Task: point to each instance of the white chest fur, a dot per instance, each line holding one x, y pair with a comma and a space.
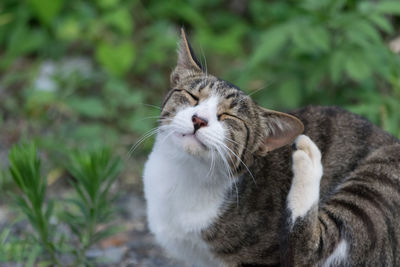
181, 201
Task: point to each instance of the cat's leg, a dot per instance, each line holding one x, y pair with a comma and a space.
303, 241
307, 173
358, 225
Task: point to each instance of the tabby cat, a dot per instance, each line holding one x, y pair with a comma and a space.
230, 183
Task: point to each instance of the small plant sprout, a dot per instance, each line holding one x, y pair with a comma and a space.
94, 173
88, 213
25, 172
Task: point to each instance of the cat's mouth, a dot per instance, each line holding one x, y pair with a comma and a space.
192, 138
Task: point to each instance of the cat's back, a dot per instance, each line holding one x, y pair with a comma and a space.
345, 140
331, 125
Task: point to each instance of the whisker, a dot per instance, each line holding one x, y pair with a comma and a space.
233, 153
141, 139
205, 62
237, 143
240, 160
230, 177
233, 179
160, 120
211, 166
153, 106
259, 89
150, 117
168, 135
145, 136
181, 123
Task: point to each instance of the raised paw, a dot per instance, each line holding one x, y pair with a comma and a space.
306, 159
307, 173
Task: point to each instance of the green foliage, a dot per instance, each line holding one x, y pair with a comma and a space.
117, 59
94, 173
14, 249
331, 53
84, 74
25, 171
288, 53
46, 10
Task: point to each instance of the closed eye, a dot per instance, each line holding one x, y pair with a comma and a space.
225, 115
195, 98
187, 93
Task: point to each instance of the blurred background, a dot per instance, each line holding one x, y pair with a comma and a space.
81, 74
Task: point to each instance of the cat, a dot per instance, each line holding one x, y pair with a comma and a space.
230, 183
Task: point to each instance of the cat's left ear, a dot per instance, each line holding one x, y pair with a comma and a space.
187, 60
280, 129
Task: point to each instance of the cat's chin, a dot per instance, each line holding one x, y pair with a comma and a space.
192, 145
186, 143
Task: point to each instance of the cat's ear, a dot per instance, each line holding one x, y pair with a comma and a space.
280, 129
187, 60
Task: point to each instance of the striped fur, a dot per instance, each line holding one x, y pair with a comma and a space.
350, 218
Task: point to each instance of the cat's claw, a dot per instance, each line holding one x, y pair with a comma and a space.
307, 173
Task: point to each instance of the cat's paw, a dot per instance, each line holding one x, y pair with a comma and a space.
306, 159
307, 173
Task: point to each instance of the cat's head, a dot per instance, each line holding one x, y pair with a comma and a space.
208, 117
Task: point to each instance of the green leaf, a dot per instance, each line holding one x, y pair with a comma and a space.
107, 3
357, 67
69, 29
366, 28
82, 204
289, 93
49, 210
46, 10
33, 255
388, 7
318, 37
119, 94
4, 235
337, 61
116, 59
22, 40
382, 22
227, 42
309, 37
270, 43
121, 19
300, 40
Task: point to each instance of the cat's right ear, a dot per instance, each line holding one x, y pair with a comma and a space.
279, 129
187, 61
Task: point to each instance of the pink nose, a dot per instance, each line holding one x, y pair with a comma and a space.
198, 122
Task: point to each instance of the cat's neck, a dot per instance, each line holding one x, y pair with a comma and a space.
191, 170
181, 190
